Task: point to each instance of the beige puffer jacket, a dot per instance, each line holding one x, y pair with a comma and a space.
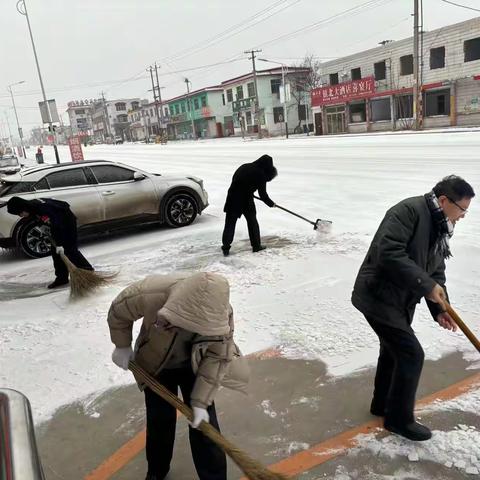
199, 304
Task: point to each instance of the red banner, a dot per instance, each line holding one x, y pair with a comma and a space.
75, 149
343, 92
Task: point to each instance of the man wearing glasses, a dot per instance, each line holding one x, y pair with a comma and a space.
405, 262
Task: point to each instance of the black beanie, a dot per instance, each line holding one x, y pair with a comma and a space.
17, 205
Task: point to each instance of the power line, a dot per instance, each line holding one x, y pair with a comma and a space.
461, 6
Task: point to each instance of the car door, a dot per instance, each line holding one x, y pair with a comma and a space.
125, 196
71, 185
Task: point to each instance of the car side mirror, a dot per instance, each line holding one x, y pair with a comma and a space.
137, 176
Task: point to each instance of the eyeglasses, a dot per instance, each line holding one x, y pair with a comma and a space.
464, 210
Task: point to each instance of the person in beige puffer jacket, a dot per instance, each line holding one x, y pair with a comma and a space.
186, 341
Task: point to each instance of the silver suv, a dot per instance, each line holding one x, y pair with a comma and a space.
103, 195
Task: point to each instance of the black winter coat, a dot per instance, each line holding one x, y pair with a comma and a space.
401, 266
247, 179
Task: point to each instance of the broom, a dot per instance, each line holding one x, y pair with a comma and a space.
468, 333
253, 469
83, 282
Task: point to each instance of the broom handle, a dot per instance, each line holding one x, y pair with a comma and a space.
206, 428
468, 333
290, 212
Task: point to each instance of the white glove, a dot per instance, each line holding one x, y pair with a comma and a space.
121, 357
60, 250
199, 415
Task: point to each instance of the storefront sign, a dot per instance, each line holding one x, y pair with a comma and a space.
75, 149
343, 92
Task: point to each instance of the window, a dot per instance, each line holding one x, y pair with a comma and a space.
358, 112
204, 101
275, 85
195, 103
166, 111
437, 58
67, 178
80, 111
356, 73
240, 92
333, 78
229, 95
151, 112
177, 109
406, 65
183, 107
472, 49
248, 115
135, 105
120, 107
8, 188
380, 69
404, 106
223, 99
278, 115
302, 114
110, 174
380, 109
437, 103
122, 118
251, 89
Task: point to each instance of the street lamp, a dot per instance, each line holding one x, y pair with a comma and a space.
22, 10
20, 133
284, 100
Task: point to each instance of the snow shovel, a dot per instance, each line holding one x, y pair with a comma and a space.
315, 224
468, 333
253, 469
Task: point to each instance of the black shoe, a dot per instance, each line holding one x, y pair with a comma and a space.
258, 249
226, 251
413, 431
58, 282
377, 409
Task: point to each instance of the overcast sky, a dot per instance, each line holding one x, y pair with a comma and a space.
88, 46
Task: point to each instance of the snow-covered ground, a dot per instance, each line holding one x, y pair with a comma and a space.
295, 295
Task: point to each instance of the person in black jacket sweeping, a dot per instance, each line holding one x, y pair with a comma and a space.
247, 179
63, 231
405, 262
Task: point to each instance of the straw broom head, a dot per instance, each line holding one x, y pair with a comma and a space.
83, 282
253, 469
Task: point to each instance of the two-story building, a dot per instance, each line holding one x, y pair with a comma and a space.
373, 90
80, 116
239, 96
202, 110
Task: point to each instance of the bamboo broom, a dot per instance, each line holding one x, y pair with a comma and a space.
83, 282
253, 469
468, 333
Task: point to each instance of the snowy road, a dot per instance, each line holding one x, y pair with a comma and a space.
295, 295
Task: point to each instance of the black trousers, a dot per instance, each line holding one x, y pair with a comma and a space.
229, 230
399, 368
210, 461
74, 255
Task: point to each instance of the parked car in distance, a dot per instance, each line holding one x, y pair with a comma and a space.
118, 140
9, 164
104, 196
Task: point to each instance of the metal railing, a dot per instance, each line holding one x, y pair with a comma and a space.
19, 458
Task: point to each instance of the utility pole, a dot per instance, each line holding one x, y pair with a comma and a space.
187, 81
20, 133
257, 107
417, 88
22, 9
105, 114
159, 95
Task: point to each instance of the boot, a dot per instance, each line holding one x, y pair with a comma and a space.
226, 251
413, 431
58, 282
258, 249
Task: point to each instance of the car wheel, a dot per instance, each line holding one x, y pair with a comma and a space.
180, 210
34, 239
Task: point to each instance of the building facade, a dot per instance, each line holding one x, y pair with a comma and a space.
239, 96
144, 121
373, 90
80, 116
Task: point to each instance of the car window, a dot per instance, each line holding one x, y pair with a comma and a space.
111, 173
67, 178
11, 188
42, 184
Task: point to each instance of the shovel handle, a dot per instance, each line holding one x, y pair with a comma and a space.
468, 333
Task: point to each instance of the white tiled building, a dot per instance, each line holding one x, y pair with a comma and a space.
450, 79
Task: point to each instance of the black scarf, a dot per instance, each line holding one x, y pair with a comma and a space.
443, 226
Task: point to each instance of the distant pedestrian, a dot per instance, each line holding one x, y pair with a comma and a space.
63, 231
186, 341
247, 179
405, 262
